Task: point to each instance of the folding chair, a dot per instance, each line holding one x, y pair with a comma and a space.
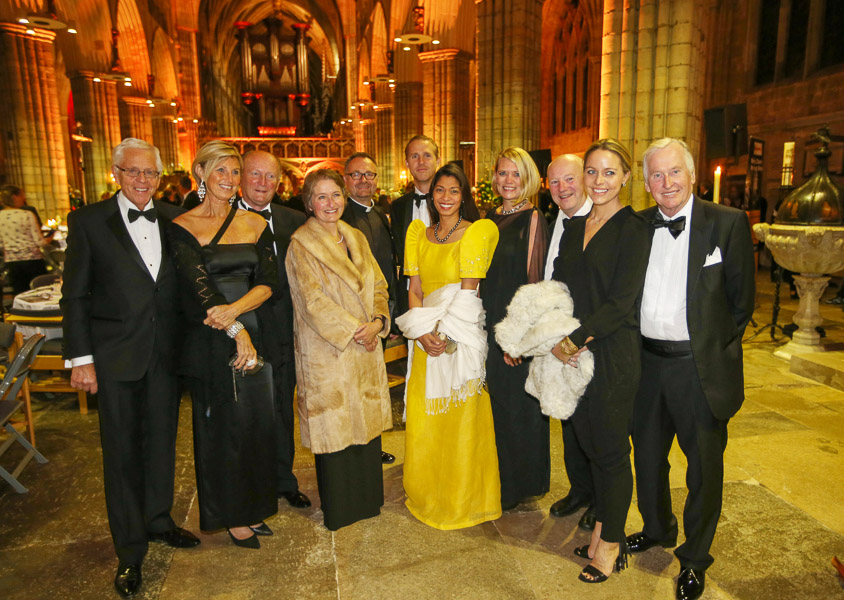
16, 374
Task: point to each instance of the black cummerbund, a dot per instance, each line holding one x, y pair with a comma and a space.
667, 348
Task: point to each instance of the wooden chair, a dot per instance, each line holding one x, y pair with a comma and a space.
16, 374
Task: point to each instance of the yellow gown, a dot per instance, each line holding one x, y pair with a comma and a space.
451, 464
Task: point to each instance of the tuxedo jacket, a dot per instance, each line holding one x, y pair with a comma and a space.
112, 307
401, 214
278, 338
719, 300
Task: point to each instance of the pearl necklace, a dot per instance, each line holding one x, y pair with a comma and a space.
514, 209
448, 235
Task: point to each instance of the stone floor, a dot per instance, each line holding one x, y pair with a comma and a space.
782, 522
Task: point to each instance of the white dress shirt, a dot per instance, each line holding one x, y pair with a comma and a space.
663, 315
420, 212
557, 235
147, 239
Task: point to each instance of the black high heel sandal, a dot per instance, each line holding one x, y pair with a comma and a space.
595, 575
582, 552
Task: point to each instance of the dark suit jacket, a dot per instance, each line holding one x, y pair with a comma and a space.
111, 305
401, 214
719, 300
279, 333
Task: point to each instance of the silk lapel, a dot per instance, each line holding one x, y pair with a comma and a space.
700, 236
408, 212
118, 228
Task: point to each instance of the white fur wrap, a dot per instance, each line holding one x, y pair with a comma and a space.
538, 317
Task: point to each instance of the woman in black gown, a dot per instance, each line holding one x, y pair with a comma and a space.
522, 433
227, 267
603, 259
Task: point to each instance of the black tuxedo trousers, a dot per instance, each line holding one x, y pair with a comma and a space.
671, 400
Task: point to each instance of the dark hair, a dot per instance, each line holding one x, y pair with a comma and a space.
359, 155
185, 182
468, 209
315, 177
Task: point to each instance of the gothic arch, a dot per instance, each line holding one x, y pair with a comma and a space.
132, 45
166, 85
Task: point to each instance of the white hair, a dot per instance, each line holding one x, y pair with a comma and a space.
664, 143
136, 144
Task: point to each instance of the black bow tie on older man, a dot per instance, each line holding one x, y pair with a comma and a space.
675, 226
264, 213
150, 215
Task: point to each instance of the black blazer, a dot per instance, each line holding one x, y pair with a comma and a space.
111, 306
401, 214
719, 300
278, 338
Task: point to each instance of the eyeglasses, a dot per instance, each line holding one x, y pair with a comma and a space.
135, 172
357, 175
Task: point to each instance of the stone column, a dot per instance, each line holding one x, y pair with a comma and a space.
509, 46
652, 76
30, 122
165, 135
188, 90
95, 103
407, 113
135, 118
447, 105
384, 135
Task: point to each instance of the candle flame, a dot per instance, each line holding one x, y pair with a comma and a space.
718, 170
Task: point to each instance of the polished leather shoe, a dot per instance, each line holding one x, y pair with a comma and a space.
262, 529
690, 584
568, 505
639, 542
127, 582
387, 458
175, 538
587, 521
296, 499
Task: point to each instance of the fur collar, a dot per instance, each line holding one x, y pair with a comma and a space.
319, 242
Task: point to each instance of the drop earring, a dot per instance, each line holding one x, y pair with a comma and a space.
201, 190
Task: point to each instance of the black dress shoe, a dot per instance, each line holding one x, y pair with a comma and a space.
387, 458
639, 542
509, 505
250, 542
176, 538
127, 581
587, 521
262, 529
568, 505
296, 499
690, 584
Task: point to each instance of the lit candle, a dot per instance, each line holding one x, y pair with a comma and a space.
716, 195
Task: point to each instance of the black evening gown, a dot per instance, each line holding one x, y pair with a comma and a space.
522, 432
605, 281
350, 483
233, 415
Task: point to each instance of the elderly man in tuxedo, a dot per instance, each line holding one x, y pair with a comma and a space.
121, 336
258, 184
422, 157
698, 298
565, 182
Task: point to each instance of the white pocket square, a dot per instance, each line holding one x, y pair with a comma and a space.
713, 258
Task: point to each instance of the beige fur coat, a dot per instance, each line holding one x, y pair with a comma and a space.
343, 396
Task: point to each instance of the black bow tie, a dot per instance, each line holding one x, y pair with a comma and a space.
150, 215
675, 226
419, 198
264, 213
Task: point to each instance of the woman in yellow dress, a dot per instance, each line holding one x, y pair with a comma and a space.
451, 464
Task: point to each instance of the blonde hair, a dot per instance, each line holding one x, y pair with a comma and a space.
614, 146
528, 173
211, 155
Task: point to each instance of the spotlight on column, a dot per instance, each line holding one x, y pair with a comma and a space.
435, 42
127, 83
30, 31
406, 48
398, 39
196, 120
23, 21
71, 27
96, 80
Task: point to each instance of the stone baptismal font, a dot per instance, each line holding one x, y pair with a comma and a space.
808, 238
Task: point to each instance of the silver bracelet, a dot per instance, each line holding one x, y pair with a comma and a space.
233, 329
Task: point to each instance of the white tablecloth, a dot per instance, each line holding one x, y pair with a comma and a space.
40, 299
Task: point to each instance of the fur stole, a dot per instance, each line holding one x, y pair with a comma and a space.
538, 317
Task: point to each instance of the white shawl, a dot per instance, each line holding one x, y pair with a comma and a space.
538, 317
449, 378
